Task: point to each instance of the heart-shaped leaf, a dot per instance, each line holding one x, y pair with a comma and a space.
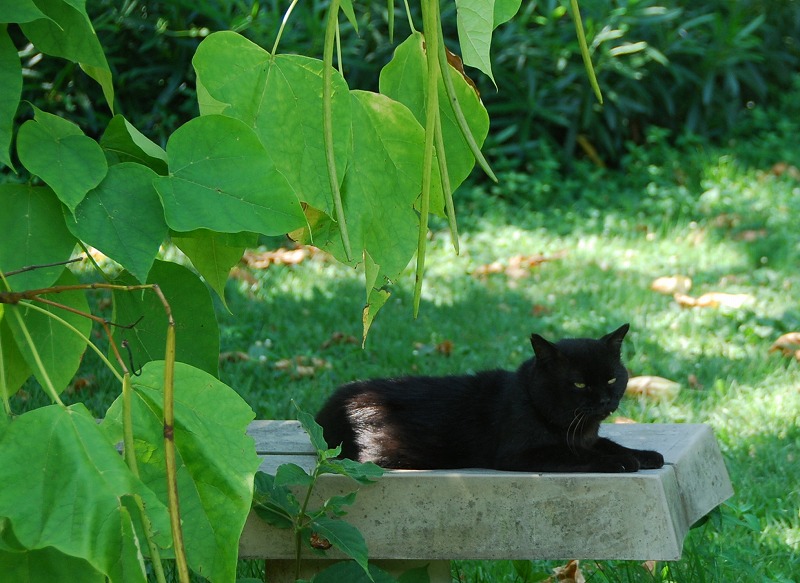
63, 453
196, 327
31, 210
59, 349
124, 143
222, 179
217, 459
123, 218
57, 151
278, 96
11, 82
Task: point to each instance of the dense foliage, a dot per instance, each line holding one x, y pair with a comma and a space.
687, 67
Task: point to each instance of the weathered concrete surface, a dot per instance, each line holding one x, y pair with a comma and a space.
482, 514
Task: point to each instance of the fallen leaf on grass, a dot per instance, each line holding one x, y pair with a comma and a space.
282, 256
652, 387
240, 274
569, 573
81, 384
672, 284
788, 345
751, 235
783, 168
302, 366
620, 420
234, 356
445, 347
517, 266
338, 338
713, 300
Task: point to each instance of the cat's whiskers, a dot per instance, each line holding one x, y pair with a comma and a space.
572, 431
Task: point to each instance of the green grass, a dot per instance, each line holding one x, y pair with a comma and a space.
718, 216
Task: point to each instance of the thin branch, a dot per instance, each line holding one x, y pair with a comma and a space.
42, 266
69, 326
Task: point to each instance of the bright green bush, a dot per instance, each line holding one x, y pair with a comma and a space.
688, 67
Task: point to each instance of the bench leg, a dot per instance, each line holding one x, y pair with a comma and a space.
282, 571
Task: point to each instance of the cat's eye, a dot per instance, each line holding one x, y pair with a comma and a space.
580, 386
612, 381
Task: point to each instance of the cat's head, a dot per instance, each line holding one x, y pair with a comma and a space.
578, 377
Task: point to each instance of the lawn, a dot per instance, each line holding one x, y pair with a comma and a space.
575, 254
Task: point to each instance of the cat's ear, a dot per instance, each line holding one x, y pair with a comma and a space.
614, 340
544, 350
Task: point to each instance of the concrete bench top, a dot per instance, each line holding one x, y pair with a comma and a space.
435, 515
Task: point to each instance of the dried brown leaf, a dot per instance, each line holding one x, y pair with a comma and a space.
445, 347
783, 168
517, 266
788, 345
569, 573
282, 256
320, 542
714, 300
455, 61
338, 338
672, 284
652, 387
234, 356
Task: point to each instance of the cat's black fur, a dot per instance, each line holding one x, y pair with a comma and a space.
543, 417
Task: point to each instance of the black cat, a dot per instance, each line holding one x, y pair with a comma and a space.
542, 418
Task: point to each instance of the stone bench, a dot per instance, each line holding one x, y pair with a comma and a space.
413, 517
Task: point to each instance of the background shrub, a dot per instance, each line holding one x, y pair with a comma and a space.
691, 68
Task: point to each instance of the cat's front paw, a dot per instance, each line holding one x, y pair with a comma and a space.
616, 464
649, 460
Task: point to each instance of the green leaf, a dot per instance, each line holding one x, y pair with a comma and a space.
58, 152
505, 10
64, 486
381, 184
291, 475
377, 294
216, 459
214, 254
59, 348
276, 505
475, 22
222, 179
34, 233
46, 565
123, 218
196, 328
312, 428
11, 82
361, 472
403, 79
14, 370
278, 96
67, 32
19, 11
347, 8
122, 142
344, 536
335, 504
